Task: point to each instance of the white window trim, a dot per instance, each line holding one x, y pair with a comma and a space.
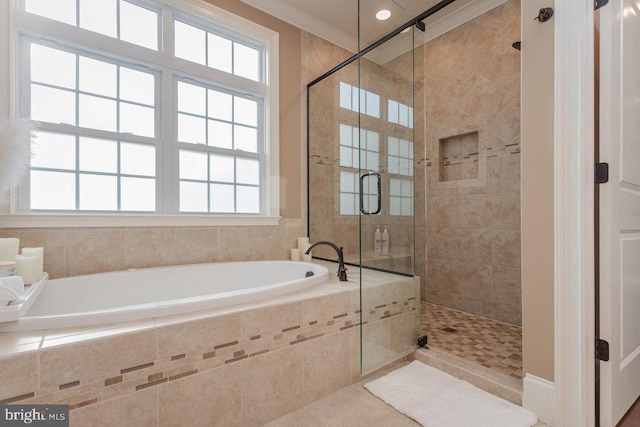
9, 109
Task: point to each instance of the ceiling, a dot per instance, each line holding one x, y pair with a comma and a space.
337, 20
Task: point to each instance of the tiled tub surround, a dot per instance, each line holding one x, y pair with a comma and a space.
472, 78
78, 251
242, 365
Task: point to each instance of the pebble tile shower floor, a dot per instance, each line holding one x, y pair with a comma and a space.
490, 343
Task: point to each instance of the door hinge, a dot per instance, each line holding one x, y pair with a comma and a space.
597, 4
602, 350
602, 173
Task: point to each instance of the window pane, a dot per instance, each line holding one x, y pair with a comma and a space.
372, 161
53, 190
407, 188
137, 159
191, 99
347, 182
245, 111
347, 204
191, 129
138, 25
407, 206
395, 187
219, 105
346, 157
346, 135
190, 43
393, 111
220, 134
395, 207
100, 16
373, 143
53, 66
137, 86
373, 104
248, 171
97, 113
219, 53
222, 168
137, 120
393, 165
98, 77
403, 166
403, 116
403, 150
137, 194
193, 165
193, 197
345, 95
246, 139
393, 146
54, 150
222, 199
98, 155
52, 105
246, 62
247, 199
60, 10
98, 192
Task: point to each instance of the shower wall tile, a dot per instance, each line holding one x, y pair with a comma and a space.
472, 79
268, 243
95, 250
327, 367
150, 247
236, 244
137, 410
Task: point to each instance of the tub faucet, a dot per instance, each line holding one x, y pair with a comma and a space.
342, 270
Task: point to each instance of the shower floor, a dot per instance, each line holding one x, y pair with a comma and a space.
492, 344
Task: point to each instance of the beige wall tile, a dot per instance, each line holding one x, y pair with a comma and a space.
376, 345
207, 399
138, 409
150, 247
19, 375
508, 313
351, 407
469, 245
506, 248
506, 174
94, 250
298, 418
507, 288
196, 245
271, 319
404, 333
199, 336
235, 244
326, 365
325, 307
268, 243
505, 211
272, 385
64, 364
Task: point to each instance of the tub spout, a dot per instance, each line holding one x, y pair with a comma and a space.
342, 270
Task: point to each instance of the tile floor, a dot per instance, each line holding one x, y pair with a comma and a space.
492, 344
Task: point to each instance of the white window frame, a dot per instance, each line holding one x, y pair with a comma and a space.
9, 107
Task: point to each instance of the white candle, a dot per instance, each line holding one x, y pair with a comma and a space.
302, 241
27, 268
295, 254
39, 253
306, 257
9, 248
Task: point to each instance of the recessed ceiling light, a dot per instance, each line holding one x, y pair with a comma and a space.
383, 14
406, 30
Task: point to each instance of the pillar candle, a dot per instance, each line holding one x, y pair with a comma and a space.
39, 253
9, 248
27, 268
301, 242
295, 254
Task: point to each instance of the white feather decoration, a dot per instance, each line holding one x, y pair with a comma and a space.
15, 153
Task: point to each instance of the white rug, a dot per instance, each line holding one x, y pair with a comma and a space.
436, 399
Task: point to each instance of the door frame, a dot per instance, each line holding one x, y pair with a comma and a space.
574, 276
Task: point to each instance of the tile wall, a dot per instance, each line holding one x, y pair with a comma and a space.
472, 78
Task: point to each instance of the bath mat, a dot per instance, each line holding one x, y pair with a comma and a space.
436, 399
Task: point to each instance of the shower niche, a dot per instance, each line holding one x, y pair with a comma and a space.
459, 157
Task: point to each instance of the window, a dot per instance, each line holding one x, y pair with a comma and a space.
178, 117
351, 160
400, 114
359, 100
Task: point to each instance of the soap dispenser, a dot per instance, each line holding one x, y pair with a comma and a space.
385, 242
377, 242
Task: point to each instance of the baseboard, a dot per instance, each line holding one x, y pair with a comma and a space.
539, 396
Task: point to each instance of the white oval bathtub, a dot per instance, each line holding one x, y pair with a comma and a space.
153, 292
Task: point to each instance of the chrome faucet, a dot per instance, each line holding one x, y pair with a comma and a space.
342, 270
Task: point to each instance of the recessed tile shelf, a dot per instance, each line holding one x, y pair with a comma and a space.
459, 157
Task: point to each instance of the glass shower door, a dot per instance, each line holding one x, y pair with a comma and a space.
389, 293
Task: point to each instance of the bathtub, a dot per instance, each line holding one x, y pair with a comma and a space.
154, 292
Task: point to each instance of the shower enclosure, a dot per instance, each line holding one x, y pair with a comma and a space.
365, 121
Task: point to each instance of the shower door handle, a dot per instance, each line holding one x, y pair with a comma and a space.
362, 177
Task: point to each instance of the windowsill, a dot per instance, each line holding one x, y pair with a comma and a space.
53, 220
